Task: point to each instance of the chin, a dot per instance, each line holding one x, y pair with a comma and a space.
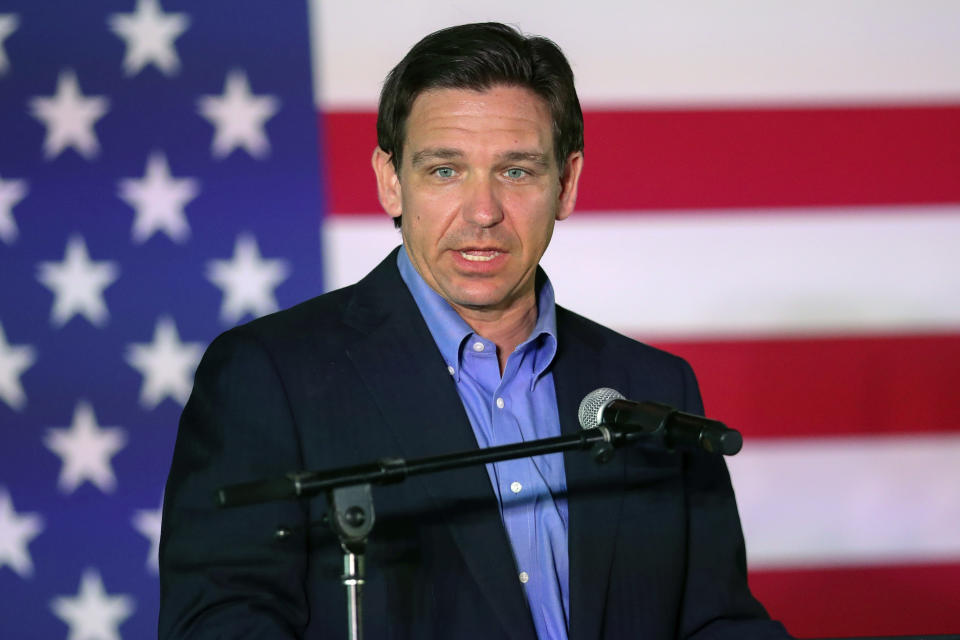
476, 303
477, 300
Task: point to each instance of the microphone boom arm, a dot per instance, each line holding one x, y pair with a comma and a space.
654, 426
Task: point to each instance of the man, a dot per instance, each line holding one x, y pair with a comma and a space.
453, 342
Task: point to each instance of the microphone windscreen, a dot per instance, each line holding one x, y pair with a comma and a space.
593, 404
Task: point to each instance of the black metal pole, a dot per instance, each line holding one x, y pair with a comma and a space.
388, 470
659, 425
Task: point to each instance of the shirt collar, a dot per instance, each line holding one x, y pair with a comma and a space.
449, 330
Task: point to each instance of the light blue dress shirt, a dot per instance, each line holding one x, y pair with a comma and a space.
518, 406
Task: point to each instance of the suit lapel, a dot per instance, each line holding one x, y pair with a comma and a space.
595, 492
407, 378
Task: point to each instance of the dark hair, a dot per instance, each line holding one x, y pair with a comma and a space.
479, 56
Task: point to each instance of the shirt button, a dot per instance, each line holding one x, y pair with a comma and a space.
451, 370
524, 578
478, 346
516, 487
499, 403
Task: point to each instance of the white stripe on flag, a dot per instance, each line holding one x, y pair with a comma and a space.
849, 501
747, 273
646, 51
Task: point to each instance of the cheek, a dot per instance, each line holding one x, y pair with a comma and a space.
421, 229
434, 214
430, 204
532, 198
532, 215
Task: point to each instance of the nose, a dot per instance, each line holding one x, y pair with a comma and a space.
481, 204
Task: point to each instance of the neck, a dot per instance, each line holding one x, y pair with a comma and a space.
505, 328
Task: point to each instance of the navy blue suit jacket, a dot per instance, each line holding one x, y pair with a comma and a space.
354, 375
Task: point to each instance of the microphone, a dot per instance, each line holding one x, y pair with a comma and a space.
646, 421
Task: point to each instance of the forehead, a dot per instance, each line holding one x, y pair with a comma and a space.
500, 114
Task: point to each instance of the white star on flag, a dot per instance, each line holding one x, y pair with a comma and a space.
167, 365
247, 280
147, 522
69, 117
149, 34
11, 193
8, 24
78, 284
93, 614
14, 360
86, 449
16, 532
159, 199
239, 117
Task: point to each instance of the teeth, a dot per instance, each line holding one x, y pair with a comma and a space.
480, 257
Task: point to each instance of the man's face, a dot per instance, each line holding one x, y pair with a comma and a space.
479, 190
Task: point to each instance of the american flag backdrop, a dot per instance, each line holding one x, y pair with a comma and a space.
158, 184
771, 190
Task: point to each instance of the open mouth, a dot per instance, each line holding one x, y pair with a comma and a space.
479, 255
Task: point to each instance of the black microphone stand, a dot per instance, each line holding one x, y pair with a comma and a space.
350, 499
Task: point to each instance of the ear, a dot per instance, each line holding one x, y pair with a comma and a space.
569, 180
388, 183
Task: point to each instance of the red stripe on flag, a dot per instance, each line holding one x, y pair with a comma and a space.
771, 158
349, 140
829, 386
857, 601
722, 158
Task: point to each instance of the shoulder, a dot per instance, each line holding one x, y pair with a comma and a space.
613, 343
647, 372
312, 326
331, 314
322, 313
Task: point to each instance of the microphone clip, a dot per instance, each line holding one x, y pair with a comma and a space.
604, 450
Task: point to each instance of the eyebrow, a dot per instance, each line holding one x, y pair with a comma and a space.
443, 153
539, 159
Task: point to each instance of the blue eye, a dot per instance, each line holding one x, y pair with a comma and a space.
444, 172
516, 174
